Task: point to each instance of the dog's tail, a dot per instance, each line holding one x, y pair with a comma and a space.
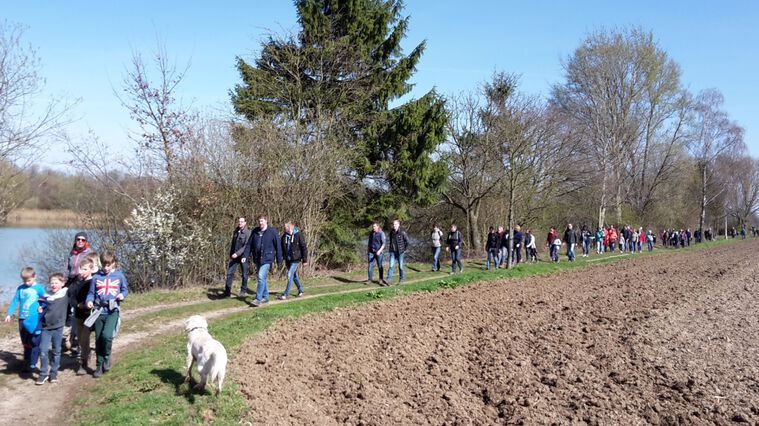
219, 369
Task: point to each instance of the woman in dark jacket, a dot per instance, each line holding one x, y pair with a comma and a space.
295, 252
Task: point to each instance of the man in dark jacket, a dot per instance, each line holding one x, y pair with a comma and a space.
238, 255
570, 238
516, 254
493, 247
265, 248
374, 252
454, 242
295, 252
398, 242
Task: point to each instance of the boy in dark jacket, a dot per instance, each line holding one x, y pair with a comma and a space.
53, 308
265, 248
78, 301
295, 252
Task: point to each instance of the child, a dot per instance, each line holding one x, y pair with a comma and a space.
555, 247
78, 301
108, 287
53, 307
27, 297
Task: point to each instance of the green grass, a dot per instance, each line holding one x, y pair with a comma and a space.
146, 386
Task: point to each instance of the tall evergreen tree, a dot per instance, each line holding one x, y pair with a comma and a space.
333, 84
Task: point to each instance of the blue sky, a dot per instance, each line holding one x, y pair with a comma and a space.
85, 46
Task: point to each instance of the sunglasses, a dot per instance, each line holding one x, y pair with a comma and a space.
81, 239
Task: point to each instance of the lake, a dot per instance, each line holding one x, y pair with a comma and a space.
14, 241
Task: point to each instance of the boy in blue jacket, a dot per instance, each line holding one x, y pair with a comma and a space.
108, 288
27, 300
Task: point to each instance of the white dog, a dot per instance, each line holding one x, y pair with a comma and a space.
208, 352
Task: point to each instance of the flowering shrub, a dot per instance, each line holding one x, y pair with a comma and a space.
162, 242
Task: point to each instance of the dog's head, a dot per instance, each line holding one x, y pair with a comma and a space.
195, 321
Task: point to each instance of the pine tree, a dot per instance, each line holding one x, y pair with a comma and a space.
333, 84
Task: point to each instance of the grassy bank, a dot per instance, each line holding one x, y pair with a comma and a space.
146, 386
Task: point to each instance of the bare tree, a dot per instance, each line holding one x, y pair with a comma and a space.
474, 163
149, 94
711, 135
620, 90
23, 123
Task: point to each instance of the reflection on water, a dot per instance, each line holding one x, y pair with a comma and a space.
13, 242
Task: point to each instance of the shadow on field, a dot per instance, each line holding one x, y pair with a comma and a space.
215, 293
14, 364
345, 280
176, 379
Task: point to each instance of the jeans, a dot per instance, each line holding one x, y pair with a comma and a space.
554, 252
104, 326
31, 344
231, 268
436, 258
516, 254
395, 257
54, 336
492, 254
585, 247
262, 288
600, 247
292, 275
650, 245
456, 260
571, 252
378, 259
502, 256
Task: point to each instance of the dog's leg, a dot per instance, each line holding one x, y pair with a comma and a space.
219, 382
190, 360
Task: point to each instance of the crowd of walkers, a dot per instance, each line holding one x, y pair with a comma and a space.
502, 246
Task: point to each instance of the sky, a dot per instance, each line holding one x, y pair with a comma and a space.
85, 47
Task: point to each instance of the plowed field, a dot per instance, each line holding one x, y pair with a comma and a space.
668, 339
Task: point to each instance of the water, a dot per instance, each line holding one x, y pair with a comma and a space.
12, 242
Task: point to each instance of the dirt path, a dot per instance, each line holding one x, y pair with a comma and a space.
17, 389
660, 340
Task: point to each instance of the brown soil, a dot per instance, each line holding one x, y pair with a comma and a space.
660, 340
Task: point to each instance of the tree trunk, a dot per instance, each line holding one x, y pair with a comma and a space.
509, 264
474, 228
618, 198
702, 214
602, 206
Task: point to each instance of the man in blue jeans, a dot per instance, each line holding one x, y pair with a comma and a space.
454, 242
295, 253
265, 248
398, 244
375, 251
570, 238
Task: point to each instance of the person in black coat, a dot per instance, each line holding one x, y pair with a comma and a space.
238, 256
398, 243
295, 252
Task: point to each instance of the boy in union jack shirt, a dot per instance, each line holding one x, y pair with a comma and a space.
108, 287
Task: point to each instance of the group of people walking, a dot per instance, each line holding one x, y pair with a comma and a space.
263, 246
85, 299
